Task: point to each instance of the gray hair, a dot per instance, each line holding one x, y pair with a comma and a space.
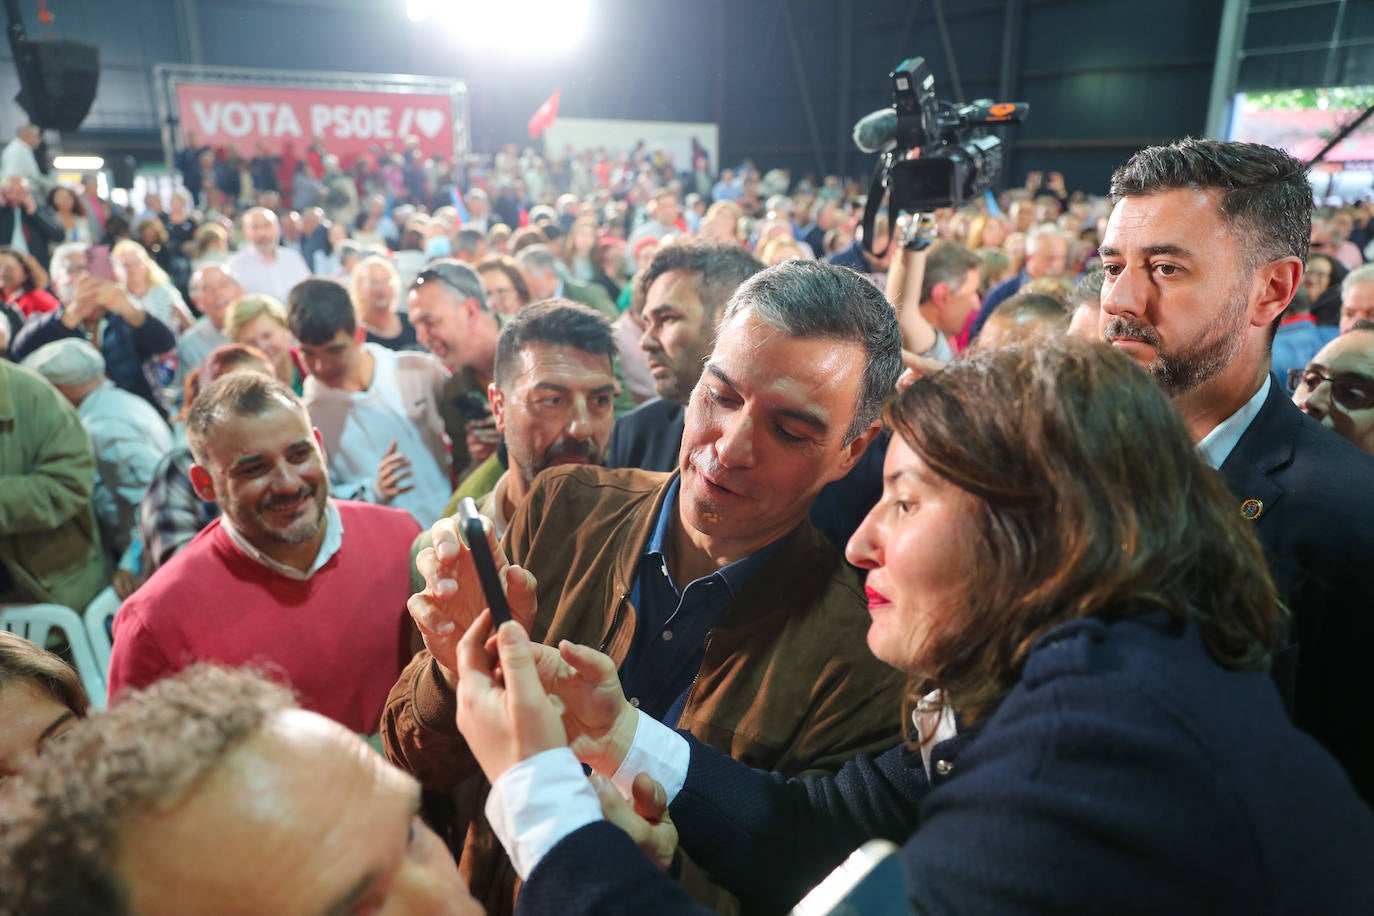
1043, 231
537, 259
455, 278
813, 299
57, 261
1357, 277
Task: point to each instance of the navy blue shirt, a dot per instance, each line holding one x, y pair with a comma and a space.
672, 625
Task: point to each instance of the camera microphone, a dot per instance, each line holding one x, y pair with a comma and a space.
875, 130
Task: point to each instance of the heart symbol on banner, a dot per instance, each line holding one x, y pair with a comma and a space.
429, 120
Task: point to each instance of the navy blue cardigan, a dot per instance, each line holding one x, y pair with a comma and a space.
1125, 773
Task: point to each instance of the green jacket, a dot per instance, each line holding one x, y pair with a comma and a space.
49, 542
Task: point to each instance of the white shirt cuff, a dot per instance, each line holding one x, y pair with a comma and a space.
657, 750
538, 802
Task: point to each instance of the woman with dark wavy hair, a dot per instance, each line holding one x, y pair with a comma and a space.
1086, 621
23, 283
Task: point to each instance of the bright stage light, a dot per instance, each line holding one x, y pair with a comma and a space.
78, 163
526, 27
419, 10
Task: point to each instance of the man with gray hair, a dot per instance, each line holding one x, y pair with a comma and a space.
448, 309
19, 158
210, 786
1047, 253
726, 611
1357, 297
541, 272
128, 436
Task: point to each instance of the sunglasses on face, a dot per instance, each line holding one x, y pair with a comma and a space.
1353, 392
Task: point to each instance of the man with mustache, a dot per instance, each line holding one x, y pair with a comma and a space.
1204, 250
552, 396
287, 580
727, 612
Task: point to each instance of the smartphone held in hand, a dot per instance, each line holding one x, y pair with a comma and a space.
475, 536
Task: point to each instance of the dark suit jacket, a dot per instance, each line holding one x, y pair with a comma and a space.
650, 436
41, 231
1316, 523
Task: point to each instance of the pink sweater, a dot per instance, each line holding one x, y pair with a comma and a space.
339, 639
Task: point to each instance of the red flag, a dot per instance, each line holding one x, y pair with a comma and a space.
544, 117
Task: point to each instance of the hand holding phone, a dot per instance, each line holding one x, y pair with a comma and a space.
475, 536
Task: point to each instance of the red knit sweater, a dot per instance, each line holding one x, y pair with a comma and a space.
339, 639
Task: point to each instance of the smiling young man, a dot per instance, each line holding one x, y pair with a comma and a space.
726, 611
211, 794
1203, 251
312, 588
376, 409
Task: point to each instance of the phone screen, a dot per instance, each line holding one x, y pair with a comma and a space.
98, 263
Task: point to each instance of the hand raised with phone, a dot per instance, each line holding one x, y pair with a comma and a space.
453, 596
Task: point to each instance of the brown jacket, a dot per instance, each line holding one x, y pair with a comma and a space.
787, 682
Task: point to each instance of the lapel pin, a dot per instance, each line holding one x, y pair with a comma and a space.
1251, 510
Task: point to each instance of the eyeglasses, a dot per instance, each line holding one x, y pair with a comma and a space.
1353, 392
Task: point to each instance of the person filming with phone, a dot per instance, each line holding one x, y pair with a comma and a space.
97, 308
727, 613
1085, 636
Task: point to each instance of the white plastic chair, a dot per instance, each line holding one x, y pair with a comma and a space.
98, 614
35, 621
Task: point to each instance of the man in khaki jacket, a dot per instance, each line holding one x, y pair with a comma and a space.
49, 543
727, 613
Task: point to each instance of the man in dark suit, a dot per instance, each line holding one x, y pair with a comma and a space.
686, 288
1204, 249
25, 223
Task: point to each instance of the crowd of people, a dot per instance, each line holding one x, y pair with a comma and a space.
1027, 536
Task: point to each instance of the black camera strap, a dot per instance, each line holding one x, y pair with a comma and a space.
876, 188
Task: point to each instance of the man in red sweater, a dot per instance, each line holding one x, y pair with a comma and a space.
309, 589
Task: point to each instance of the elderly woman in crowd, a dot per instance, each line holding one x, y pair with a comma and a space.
41, 698
260, 321
1087, 636
374, 288
147, 282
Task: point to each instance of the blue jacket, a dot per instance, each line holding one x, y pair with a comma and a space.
1126, 772
995, 297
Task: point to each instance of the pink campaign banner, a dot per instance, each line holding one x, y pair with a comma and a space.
286, 120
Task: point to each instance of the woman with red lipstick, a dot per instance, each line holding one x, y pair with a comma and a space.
1086, 621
